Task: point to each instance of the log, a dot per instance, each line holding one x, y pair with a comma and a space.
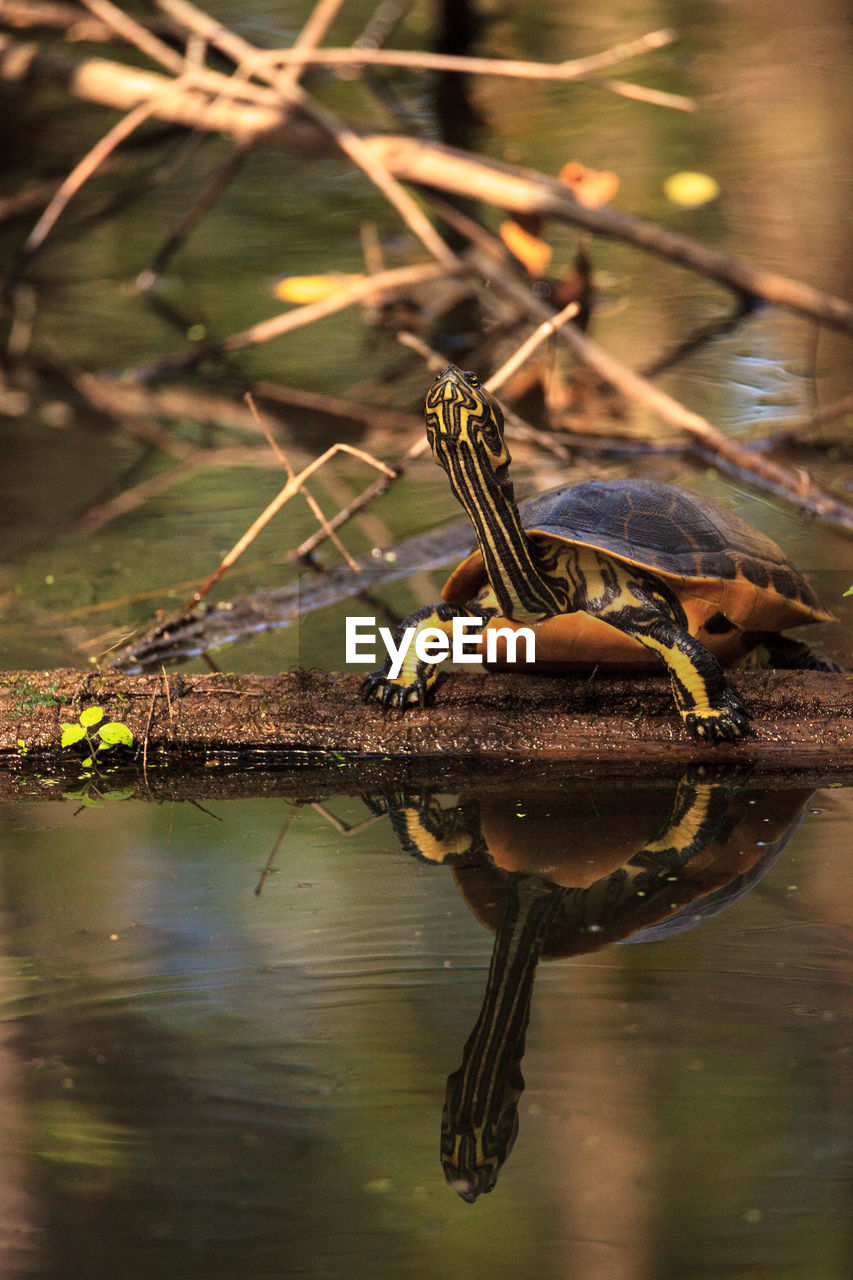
803, 720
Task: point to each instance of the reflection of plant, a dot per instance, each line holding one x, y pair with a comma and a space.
109, 735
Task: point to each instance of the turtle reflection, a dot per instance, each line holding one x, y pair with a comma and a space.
561, 874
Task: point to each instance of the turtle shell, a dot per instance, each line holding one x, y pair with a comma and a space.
722, 569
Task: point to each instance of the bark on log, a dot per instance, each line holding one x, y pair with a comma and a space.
429, 164
802, 720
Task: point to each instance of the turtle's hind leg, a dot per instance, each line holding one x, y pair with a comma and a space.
786, 654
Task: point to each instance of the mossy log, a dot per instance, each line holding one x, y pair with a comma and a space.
802, 720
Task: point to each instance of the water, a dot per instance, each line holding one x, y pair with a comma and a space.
204, 1080
224, 1082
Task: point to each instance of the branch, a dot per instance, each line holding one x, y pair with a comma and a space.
576, 69
429, 164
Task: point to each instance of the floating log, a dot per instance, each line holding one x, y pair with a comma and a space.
802, 720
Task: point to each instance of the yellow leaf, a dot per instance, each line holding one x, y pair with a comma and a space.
690, 190
304, 289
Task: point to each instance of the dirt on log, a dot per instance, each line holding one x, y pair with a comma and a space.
802, 720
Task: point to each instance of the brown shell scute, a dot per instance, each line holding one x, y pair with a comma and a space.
677, 534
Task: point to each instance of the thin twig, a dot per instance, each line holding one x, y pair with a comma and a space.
309, 497
49, 13
320, 19
209, 194
517, 359
89, 164
516, 427
574, 69
147, 734
392, 420
136, 34
251, 58
166, 690
640, 93
292, 487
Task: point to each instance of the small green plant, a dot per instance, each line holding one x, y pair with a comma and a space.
95, 742
112, 734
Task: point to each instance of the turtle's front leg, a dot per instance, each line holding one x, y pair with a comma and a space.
416, 679
644, 607
710, 709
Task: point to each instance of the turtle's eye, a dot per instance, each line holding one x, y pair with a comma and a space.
471, 378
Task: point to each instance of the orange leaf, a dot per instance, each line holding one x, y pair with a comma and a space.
590, 187
534, 254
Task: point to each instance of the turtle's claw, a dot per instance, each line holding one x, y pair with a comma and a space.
726, 722
379, 687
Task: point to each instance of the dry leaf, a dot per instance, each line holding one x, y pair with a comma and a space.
304, 289
534, 254
590, 187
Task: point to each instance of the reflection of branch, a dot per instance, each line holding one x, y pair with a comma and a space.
259, 119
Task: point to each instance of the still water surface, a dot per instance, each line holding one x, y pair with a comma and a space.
207, 1080
200, 1080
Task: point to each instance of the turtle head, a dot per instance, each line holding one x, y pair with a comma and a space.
464, 421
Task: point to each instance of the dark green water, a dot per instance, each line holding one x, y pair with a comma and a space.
200, 1081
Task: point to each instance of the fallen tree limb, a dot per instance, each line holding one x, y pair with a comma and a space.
802, 720
224, 109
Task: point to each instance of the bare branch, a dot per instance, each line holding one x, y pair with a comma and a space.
89, 164
347, 139
134, 33
576, 69
261, 120
293, 486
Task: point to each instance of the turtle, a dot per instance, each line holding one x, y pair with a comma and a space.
608, 573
